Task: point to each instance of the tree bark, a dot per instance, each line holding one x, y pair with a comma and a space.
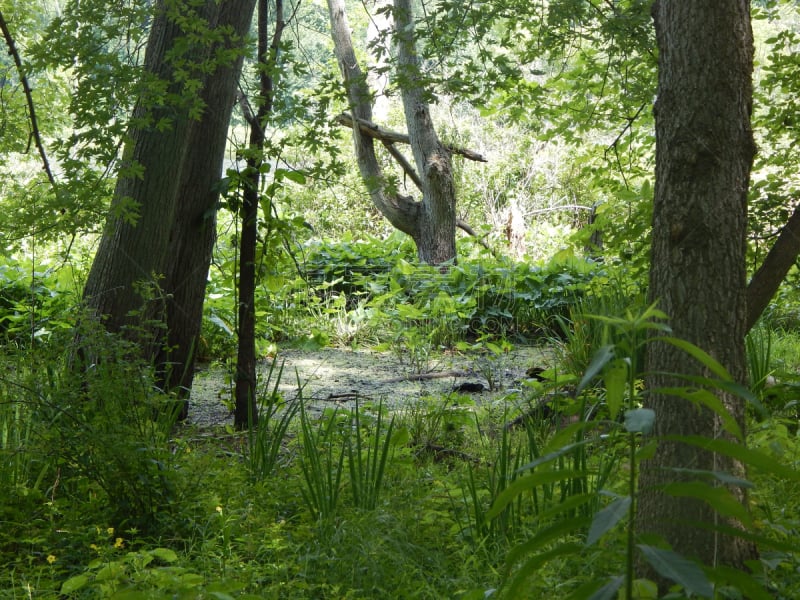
389, 137
704, 152
132, 249
431, 222
378, 46
174, 188
193, 232
246, 408
401, 211
436, 243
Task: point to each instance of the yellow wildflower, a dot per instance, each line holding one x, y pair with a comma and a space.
219, 509
119, 543
51, 558
110, 531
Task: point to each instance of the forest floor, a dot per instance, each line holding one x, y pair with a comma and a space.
331, 377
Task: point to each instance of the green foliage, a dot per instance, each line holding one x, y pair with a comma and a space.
425, 308
322, 463
265, 441
437, 495
101, 427
774, 189
338, 439
367, 457
35, 302
485, 483
370, 291
616, 364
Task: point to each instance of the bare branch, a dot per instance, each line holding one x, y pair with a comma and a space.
12, 50
387, 135
403, 161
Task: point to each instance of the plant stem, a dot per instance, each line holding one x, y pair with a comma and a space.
631, 517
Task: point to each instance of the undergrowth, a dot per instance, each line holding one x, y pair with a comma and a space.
530, 496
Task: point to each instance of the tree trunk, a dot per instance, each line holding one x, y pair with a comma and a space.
193, 232
431, 222
246, 409
773, 270
436, 241
704, 152
174, 190
378, 45
134, 250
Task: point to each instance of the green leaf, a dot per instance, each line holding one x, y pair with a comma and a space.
526, 483
73, 584
725, 478
743, 581
719, 498
165, 554
595, 590
532, 564
709, 400
607, 518
601, 358
644, 589
676, 568
296, 176
112, 571
615, 377
700, 355
640, 420
609, 589
750, 457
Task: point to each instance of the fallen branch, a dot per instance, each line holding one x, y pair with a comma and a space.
426, 376
387, 136
440, 453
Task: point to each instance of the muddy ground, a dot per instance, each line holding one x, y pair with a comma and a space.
338, 377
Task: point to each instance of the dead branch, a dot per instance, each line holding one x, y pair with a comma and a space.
426, 376
392, 137
407, 168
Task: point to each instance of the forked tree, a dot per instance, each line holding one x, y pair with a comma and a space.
430, 221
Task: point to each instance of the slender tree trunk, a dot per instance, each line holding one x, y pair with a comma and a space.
246, 410
436, 240
773, 270
704, 152
378, 44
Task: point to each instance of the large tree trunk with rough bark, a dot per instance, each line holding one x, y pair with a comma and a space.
431, 222
174, 190
193, 232
704, 152
133, 250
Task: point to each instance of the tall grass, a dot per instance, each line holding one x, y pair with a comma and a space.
342, 444
367, 458
265, 441
322, 458
21, 467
